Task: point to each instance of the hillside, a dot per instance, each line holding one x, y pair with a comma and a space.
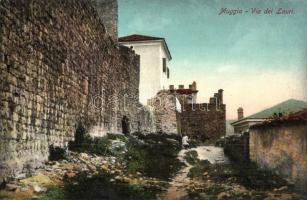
289, 106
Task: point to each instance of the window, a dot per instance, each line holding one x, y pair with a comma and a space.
164, 64
167, 72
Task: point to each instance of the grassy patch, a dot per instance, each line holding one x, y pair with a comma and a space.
191, 157
155, 157
117, 137
54, 193
251, 176
99, 146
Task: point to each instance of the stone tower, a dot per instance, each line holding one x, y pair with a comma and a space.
108, 13
240, 113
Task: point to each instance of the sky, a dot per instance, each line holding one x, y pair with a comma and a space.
258, 59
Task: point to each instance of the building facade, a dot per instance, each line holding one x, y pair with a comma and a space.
185, 95
154, 61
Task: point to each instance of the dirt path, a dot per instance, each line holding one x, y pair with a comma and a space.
177, 187
180, 182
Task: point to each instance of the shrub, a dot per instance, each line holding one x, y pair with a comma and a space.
56, 153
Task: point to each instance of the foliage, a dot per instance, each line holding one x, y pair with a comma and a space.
117, 137
56, 153
99, 146
84, 143
155, 157
248, 174
191, 157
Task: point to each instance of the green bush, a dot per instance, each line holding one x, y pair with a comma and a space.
99, 146
56, 153
117, 137
191, 157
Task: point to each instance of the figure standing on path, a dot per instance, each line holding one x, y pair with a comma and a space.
185, 140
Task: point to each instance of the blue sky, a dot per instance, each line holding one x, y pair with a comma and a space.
259, 60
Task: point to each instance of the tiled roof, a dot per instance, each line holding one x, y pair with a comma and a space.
142, 38
136, 37
298, 117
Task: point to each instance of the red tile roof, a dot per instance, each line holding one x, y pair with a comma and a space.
301, 115
136, 37
298, 117
140, 38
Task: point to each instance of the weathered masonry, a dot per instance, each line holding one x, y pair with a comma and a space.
176, 112
204, 121
60, 69
281, 146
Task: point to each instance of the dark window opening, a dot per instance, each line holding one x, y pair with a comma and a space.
164, 64
168, 73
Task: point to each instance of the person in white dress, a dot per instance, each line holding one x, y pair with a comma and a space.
185, 141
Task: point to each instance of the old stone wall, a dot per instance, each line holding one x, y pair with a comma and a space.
237, 147
59, 69
108, 13
283, 149
205, 122
164, 109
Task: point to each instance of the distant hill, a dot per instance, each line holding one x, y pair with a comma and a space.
289, 106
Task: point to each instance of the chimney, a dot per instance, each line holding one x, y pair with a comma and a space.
221, 95
240, 113
194, 85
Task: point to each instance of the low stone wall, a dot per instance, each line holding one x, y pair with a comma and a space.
283, 149
237, 147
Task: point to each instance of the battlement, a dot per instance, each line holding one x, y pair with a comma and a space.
192, 88
203, 107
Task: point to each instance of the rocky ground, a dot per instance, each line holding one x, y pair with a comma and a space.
147, 167
130, 169
222, 179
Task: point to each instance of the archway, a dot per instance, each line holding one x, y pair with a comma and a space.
125, 125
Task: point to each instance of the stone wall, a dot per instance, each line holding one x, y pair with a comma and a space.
237, 147
108, 13
205, 122
59, 69
283, 149
166, 117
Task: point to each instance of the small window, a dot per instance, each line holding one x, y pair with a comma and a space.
164, 64
167, 72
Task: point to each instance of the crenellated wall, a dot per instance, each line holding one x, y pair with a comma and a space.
59, 68
204, 121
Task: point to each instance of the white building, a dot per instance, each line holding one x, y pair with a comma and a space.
154, 58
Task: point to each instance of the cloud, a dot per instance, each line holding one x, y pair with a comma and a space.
228, 69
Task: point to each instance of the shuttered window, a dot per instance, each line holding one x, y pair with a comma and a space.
164, 64
167, 72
